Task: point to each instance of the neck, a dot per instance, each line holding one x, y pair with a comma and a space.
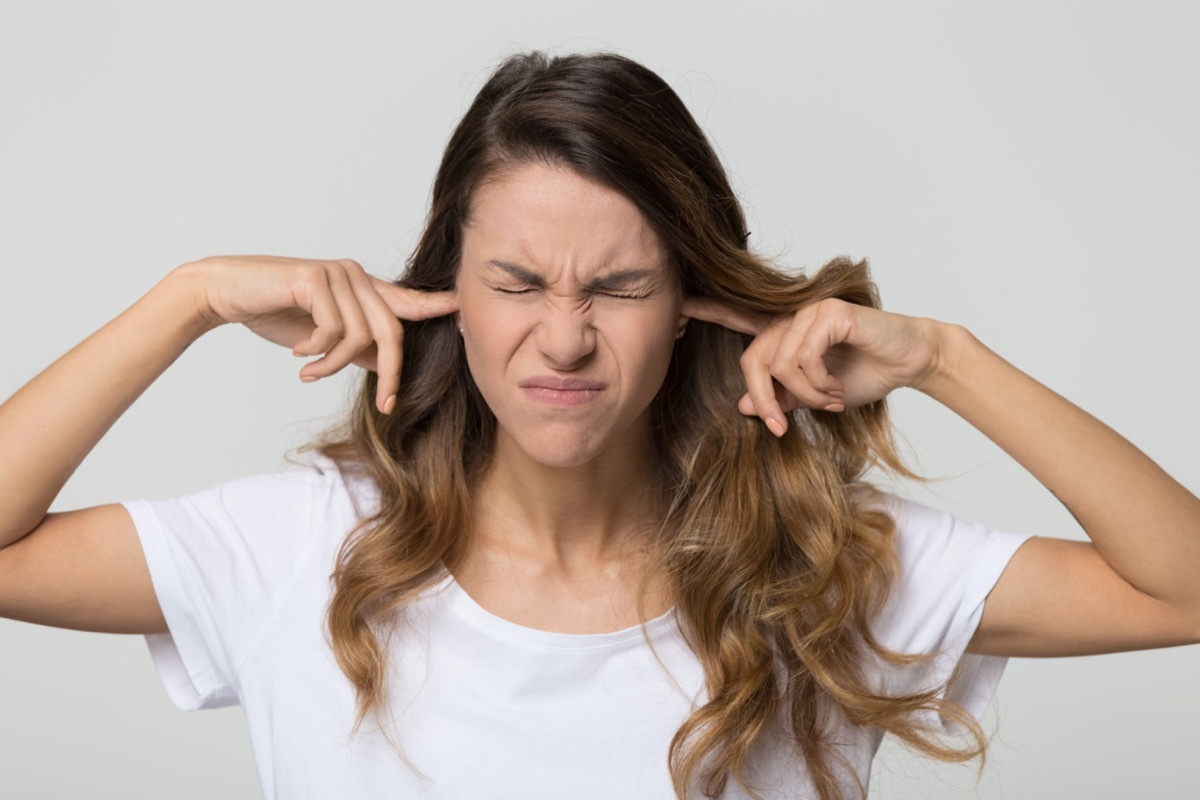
569, 519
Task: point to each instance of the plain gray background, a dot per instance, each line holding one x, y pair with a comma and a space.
1027, 170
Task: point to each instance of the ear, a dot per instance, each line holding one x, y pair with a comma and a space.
681, 324
685, 315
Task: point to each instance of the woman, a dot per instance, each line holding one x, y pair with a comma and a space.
597, 524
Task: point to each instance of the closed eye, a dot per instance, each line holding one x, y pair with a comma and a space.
624, 295
526, 290
619, 295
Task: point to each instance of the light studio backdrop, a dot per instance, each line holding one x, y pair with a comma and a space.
1029, 170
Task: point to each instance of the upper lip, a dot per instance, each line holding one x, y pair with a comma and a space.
561, 384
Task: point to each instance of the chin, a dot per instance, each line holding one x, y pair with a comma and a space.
560, 448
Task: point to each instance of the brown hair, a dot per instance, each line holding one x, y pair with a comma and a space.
776, 562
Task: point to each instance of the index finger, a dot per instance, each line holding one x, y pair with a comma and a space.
413, 304
707, 310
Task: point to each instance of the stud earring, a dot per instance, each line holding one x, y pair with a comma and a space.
679, 334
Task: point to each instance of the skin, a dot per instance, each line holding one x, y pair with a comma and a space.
1132, 587
84, 569
561, 507
562, 279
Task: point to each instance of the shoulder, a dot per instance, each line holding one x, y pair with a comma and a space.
928, 537
306, 480
309, 499
947, 567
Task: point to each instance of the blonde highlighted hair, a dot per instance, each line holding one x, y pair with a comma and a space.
776, 563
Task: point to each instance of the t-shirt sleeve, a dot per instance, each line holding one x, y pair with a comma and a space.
222, 562
947, 568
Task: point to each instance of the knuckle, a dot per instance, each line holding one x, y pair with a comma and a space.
781, 366
833, 308
358, 338
393, 329
337, 275
808, 355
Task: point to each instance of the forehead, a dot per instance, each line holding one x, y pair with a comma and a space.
553, 220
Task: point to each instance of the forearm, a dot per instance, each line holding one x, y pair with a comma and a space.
54, 421
1143, 522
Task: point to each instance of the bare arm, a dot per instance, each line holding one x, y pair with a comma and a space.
54, 421
1133, 586
46, 430
85, 568
1137, 584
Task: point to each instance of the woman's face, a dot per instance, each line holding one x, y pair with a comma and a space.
569, 310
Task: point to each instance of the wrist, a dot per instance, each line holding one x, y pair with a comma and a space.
952, 345
187, 287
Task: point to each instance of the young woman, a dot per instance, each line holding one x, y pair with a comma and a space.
597, 524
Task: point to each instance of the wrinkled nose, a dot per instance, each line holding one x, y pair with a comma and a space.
566, 336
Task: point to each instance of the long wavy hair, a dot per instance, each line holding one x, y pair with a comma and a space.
776, 562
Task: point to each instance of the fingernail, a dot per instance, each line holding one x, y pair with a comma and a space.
389, 404
775, 425
308, 378
835, 407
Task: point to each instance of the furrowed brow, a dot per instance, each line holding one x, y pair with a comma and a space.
518, 272
621, 279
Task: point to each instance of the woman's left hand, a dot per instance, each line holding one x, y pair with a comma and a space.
830, 355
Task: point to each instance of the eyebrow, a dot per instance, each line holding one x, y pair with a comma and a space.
613, 280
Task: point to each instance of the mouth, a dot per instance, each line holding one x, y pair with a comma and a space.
563, 392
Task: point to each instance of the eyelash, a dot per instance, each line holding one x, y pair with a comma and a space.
605, 294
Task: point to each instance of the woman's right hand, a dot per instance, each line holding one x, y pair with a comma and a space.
85, 569
333, 309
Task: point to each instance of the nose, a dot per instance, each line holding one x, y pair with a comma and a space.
565, 335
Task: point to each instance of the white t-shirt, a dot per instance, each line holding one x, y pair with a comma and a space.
486, 708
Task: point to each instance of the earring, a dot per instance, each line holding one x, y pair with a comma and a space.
679, 334
460, 330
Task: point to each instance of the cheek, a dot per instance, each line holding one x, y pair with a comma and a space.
491, 334
644, 345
